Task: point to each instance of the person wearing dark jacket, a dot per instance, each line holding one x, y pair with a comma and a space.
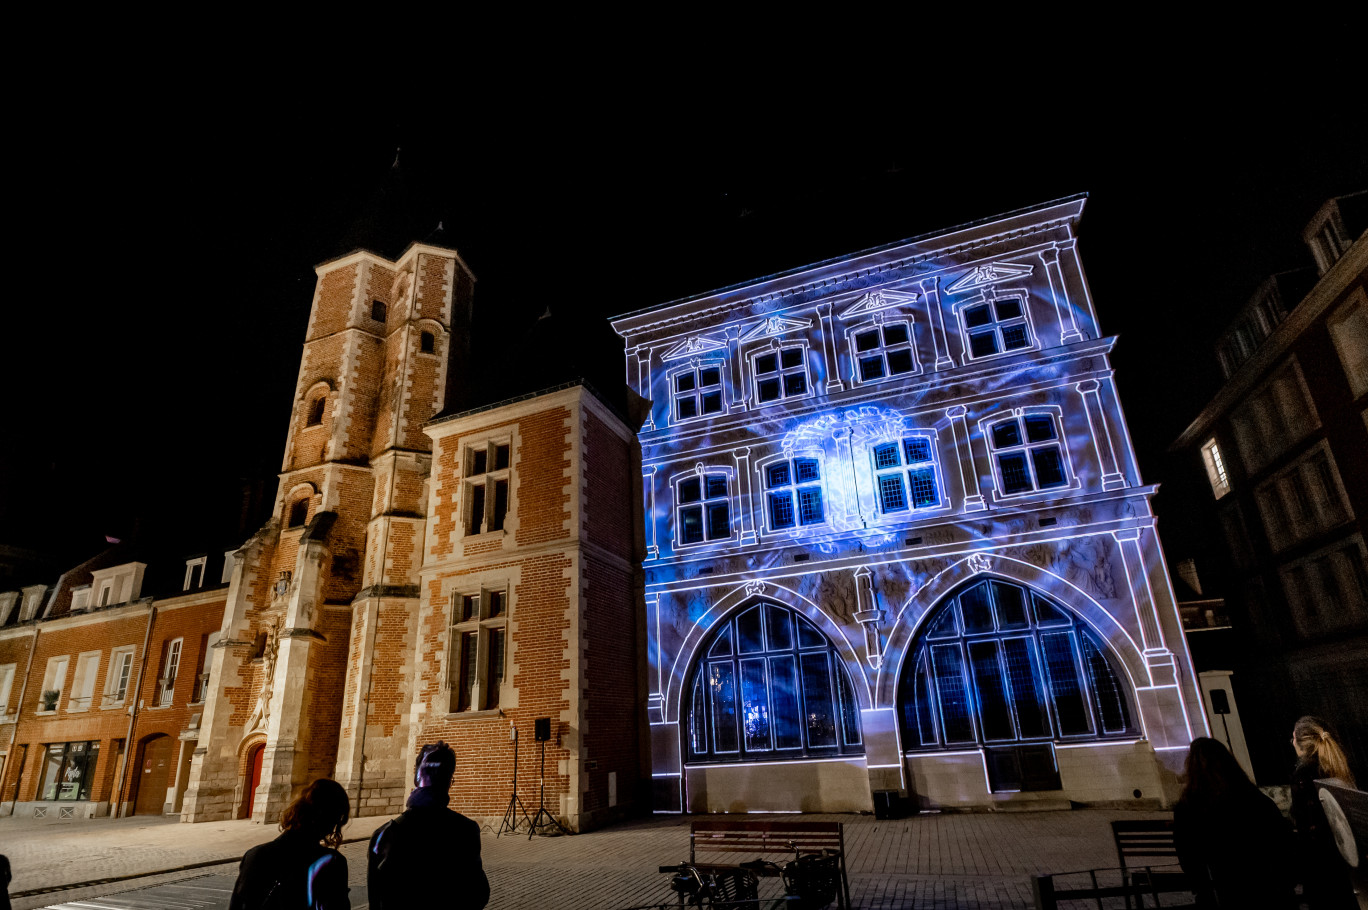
1325, 876
1233, 843
428, 857
295, 870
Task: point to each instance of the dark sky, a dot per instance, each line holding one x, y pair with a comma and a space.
170, 247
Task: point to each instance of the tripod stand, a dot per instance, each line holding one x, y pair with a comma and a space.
544, 823
510, 823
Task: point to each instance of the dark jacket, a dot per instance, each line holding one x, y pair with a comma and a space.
1325, 876
1237, 850
292, 871
426, 859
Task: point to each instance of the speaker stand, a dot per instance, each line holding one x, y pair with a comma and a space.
510, 823
544, 823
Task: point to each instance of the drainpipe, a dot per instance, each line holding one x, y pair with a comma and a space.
133, 712
18, 713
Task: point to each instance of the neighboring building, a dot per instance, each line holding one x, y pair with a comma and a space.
1285, 447
91, 665
896, 538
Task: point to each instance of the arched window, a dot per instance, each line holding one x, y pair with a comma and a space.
316, 411
770, 686
998, 663
299, 512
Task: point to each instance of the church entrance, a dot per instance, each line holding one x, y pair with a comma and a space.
253, 776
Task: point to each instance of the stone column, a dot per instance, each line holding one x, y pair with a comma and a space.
739, 391
1112, 478
935, 318
746, 512
964, 454
828, 339
1064, 314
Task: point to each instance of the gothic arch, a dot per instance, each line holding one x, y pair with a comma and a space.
734, 601
922, 602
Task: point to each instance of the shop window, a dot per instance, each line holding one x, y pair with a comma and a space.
883, 351
1028, 454
996, 327
479, 643
486, 486
780, 373
697, 391
793, 493
703, 508
998, 663
770, 686
69, 771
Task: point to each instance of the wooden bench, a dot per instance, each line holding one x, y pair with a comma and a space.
1048, 893
1148, 840
756, 839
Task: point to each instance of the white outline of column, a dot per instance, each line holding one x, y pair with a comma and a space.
656, 700
1112, 478
935, 317
746, 512
1064, 314
644, 384
648, 482
868, 615
739, 390
845, 453
1142, 597
1070, 246
964, 454
834, 383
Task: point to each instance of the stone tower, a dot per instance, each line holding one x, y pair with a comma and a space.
319, 628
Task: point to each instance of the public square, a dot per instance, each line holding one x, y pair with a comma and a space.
970, 860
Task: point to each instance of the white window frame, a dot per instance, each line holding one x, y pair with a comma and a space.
54, 678
903, 469
80, 598
762, 483
777, 348
7, 672
991, 299
83, 681
170, 669
1217, 472
106, 595
117, 674
483, 626
1056, 414
877, 324
487, 481
199, 562
696, 366
701, 472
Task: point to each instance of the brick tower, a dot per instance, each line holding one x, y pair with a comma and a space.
319, 630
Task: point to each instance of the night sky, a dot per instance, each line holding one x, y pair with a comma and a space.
153, 354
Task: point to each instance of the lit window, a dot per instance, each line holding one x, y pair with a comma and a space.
780, 373
697, 391
1028, 454
68, 770
794, 493
905, 474
478, 649
1216, 469
999, 663
883, 351
996, 327
487, 476
704, 508
769, 687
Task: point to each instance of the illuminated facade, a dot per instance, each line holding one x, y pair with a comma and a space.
896, 538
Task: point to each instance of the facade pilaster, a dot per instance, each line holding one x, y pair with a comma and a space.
935, 319
1112, 478
964, 455
828, 345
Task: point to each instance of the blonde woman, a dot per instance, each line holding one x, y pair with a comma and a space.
1325, 876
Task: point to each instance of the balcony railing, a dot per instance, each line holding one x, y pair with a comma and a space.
166, 692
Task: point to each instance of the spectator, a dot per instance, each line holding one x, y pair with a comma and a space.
1324, 874
295, 869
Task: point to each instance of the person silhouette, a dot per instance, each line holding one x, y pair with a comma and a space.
295, 869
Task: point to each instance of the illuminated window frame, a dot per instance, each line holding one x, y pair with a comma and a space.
704, 504
477, 655
788, 369
1027, 448
1004, 329
1216, 468
883, 351
794, 489
487, 485
885, 472
698, 395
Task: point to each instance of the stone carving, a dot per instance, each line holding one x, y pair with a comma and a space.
261, 712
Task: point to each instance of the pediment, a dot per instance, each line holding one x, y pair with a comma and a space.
988, 273
879, 300
694, 346
776, 325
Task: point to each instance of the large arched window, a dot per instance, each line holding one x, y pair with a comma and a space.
998, 663
770, 686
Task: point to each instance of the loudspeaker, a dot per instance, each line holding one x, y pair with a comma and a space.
1220, 702
541, 728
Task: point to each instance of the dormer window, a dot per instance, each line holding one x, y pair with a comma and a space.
780, 373
883, 351
194, 573
996, 327
697, 391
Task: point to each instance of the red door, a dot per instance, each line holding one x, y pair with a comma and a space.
152, 777
253, 777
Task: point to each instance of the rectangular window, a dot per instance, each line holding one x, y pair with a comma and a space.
703, 511
1028, 454
906, 474
996, 327
117, 679
83, 681
487, 486
794, 493
882, 352
166, 679
780, 373
697, 391
6, 686
1216, 468
479, 641
54, 680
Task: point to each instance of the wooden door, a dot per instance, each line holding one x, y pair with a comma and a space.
153, 776
253, 777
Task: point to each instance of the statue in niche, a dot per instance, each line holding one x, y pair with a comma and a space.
261, 711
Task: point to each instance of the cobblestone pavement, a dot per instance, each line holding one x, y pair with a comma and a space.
927, 861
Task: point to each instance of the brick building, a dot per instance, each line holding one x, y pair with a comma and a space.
897, 540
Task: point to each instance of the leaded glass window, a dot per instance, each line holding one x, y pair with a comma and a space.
697, 391
998, 663
780, 373
883, 351
996, 327
704, 508
905, 474
1029, 453
770, 686
793, 493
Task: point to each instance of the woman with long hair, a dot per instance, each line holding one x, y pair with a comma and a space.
301, 868
1324, 874
1232, 841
